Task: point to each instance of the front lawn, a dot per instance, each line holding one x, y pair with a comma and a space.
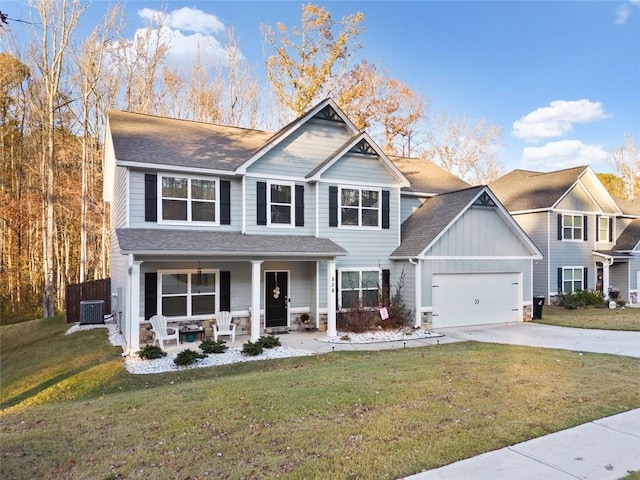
77, 414
597, 318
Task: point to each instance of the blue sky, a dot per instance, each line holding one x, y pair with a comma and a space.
562, 79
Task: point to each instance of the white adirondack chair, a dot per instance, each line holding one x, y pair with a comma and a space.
224, 326
163, 333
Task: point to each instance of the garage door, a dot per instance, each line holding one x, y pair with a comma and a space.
476, 299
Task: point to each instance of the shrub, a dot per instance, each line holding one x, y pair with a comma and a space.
213, 346
269, 341
581, 299
252, 349
187, 357
151, 352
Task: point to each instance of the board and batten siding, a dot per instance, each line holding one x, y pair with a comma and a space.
137, 204
431, 267
480, 231
302, 151
252, 226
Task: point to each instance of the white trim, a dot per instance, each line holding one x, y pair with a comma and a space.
573, 228
572, 267
279, 178
360, 209
127, 179
478, 257
287, 298
189, 272
175, 168
359, 288
292, 205
189, 201
243, 228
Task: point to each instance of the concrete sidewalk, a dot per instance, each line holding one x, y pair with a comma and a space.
605, 449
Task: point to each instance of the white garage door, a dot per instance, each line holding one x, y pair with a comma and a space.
476, 298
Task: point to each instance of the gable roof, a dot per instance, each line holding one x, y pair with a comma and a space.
150, 241
628, 207
426, 177
147, 139
629, 239
327, 109
437, 214
353, 142
527, 190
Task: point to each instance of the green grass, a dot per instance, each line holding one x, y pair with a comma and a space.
71, 411
598, 318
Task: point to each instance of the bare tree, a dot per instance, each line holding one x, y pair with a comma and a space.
89, 65
59, 19
465, 148
308, 61
627, 163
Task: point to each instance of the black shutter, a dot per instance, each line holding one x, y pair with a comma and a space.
386, 286
261, 203
333, 206
585, 223
150, 197
225, 202
385, 209
299, 205
150, 294
559, 226
597, 228
225, 291
585, 280
559, 279
611, 229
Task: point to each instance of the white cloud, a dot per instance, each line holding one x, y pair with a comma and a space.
557, 119
622, 13
186, 19
565, 154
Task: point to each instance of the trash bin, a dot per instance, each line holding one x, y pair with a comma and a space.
538, 302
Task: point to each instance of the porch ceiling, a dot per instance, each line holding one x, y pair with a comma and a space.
612, 255
147, 241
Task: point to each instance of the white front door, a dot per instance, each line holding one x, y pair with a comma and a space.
476, 298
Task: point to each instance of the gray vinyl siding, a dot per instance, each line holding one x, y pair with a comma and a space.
119, 200
119, 263
578, 200
539, 226
309, 212
136, 197
431, 267
571, 253
358, 168
303, 150
619, 277
408, 206
480, 231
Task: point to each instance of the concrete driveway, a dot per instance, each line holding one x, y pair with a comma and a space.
548, 336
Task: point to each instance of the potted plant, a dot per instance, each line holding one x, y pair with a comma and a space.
305, 322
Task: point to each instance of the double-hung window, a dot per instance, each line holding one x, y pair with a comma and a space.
187, 294
360, 207
572, 279
572, 227
603, 229
359, 288
186, 199
281, 204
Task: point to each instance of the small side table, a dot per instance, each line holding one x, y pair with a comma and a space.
191, 335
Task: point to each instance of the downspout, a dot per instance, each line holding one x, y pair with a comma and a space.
417, 322
127, 352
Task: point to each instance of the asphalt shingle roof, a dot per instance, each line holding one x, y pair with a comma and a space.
430, 219
630, 237
427, 177
158, 140
171, 242
526, 190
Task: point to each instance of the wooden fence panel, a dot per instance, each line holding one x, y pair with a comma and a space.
95, 290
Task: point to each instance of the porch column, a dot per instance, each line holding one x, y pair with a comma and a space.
417, 323
133, 337
255, 300
605, 278
331, 299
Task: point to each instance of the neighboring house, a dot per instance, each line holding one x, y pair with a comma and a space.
207, 218
588, 241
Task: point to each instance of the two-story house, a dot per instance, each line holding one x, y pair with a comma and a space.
309, 219
588, 241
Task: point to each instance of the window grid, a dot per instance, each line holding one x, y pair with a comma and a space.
572, 279
603, 229
572, 227
359, 288
360, 207
186, 199
188, 294
281, 204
